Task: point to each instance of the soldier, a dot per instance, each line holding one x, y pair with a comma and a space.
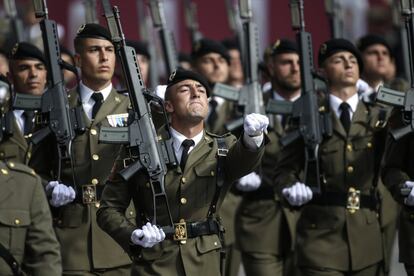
236, 78
143, 56
192, 189
28, 75
266, 252
4, 63
339, 232
86, 249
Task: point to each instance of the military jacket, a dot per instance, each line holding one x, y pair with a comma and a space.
190, 193
332, 236
398, 168
263, 209
15, 148
84, 245
25, 222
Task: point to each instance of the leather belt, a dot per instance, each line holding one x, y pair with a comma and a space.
188, 230
351, 200
261, 194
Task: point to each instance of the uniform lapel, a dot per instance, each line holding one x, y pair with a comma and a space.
18, 136
359, 119
199, 151
108, 107
337, 126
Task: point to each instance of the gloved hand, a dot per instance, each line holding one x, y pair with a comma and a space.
249, 182
298, 194
148, 236
409, 192
60, 193
255, 124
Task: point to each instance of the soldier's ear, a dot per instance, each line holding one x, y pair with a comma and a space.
321, 72
77, 59
169, 106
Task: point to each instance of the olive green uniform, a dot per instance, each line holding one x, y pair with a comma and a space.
25, 223
190, 194
332, 239
266, 225
398, 168
85, 247
15, 148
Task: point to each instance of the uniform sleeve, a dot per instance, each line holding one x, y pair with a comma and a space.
42, 250
394, 171
111, 214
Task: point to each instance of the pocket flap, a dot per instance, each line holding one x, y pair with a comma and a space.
207, 168
15, 218
362, 143
208, 243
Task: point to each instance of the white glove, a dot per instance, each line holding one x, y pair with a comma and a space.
249, 182
298, 194
408, 186
61, 194
255, 124
148, 236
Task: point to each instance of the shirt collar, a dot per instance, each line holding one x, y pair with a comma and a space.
178, 139
86, 92
277, 96
336, 102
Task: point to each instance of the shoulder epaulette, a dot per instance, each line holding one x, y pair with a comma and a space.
227, 134
20, 168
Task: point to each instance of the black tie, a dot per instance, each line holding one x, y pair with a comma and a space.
213, 113
345, 116
28, 121
187, 144
98, 98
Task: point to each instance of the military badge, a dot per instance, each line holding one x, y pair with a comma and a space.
172, 75
323, 49
81, 28
118, 120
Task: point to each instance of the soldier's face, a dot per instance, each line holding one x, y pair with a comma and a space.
143, 67
236, 69
96, 61
4, 65
284, 70
341, 69
213, 67
187, 102
29, 76
377, 61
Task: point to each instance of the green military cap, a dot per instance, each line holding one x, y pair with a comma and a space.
206, 46
141, 48
372, 39
92, 30
231, 43
25, 50
182, 74
336, 45
283, 46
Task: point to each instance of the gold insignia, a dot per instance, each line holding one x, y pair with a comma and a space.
117, 99
172, 76
323, 49
15, 48
277, 43
81, 28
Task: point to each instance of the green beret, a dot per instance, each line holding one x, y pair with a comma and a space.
371, 39
182, 74
283, 46
25, 50
92, 30
141, 48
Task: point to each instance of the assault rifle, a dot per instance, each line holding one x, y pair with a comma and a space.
236, 25
6, 112
336, 19
55, 114
166, 37
400, 29
404, 100
90, 11
250, 96
15, 23
146, 151
146, 34
190, 10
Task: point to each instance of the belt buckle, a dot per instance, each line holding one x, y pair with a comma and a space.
222, 152
89, 195
180, 231
353, 200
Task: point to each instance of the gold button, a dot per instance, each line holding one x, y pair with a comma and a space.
369, 145
183, 200
1, 154
95, 157
95, 181
212, 173
147, 185
59, 222
11, 164
349, 147
94, 132
29, 154
350, 169
411, 216
215, 243
183, 180
183, 242
97, 204
131, 213
17, 221
313, 225
4, 171
33, 172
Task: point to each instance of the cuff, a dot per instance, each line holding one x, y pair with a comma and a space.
253, 142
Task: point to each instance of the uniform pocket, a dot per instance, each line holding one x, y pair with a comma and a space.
13, 228
205, 244
71, 215
205, 183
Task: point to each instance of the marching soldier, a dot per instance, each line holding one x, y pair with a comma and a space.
339, 232
236, 77
28, 75
193, 189
86, 249
265, 226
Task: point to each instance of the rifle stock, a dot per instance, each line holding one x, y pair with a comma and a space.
16, 25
